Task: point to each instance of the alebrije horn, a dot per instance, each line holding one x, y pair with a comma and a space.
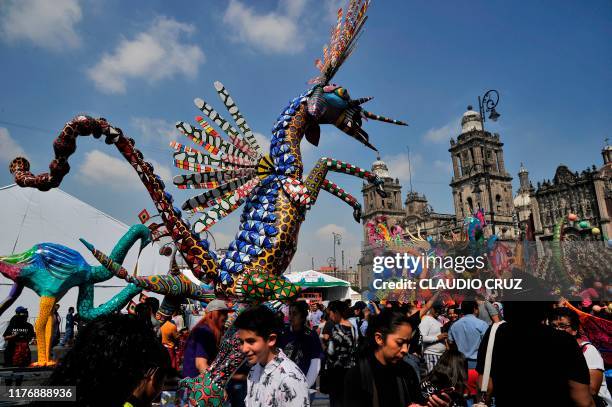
360, 101
105, 261
382, 118
87, 244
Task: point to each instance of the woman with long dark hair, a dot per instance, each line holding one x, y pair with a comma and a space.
341, 351
204, 339
116, 361
450, 372
381, 378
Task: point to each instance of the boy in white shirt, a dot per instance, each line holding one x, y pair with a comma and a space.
274, 380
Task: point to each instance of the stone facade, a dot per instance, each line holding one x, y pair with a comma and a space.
478, 160
587, 194
420, 217
415, 214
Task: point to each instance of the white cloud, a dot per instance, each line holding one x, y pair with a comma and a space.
263, 141
221, 239
399, 167
158, 130
283, 30
331, 9
443, 166
276, 32
325, 232
442, 134
9, 148
47, 24
153, 55
101, 168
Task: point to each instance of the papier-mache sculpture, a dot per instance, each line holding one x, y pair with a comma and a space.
237, 172
51, 269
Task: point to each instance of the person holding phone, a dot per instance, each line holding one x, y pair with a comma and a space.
381, 377
450, 376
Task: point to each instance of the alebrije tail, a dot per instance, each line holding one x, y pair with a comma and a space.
195, 251
172, 285
88, 312
121, 249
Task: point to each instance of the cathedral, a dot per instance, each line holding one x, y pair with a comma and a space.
479, 180
587, 194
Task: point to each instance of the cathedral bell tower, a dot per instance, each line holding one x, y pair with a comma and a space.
480, 179
375, 205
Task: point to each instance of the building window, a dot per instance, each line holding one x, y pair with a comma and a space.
470, 204
498, 203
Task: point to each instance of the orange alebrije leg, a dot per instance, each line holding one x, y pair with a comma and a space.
43, 329
49, 338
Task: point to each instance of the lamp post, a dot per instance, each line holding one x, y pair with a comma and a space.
337, 240
487, 103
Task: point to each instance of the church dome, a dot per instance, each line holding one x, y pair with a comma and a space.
521, 200
470, 121
379, 167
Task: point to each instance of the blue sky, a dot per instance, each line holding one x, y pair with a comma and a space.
140, 64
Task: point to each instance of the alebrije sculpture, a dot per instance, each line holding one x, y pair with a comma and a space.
50, 270
271, 187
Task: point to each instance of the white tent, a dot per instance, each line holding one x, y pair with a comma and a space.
30, 216
334, 288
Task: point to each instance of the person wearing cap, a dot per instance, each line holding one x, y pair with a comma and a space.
18, 335
204, 339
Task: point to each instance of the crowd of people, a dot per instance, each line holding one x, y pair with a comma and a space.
362, 354
19, 333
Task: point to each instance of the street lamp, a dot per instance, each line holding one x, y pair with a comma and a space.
337, 240
487, 103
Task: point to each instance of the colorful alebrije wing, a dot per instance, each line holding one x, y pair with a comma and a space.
186, 157
215, 146
207, 198
342, 41
193, 180
213, 115
229, 171
224, 206
238, 118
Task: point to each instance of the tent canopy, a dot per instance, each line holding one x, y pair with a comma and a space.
30, 216
313, 278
